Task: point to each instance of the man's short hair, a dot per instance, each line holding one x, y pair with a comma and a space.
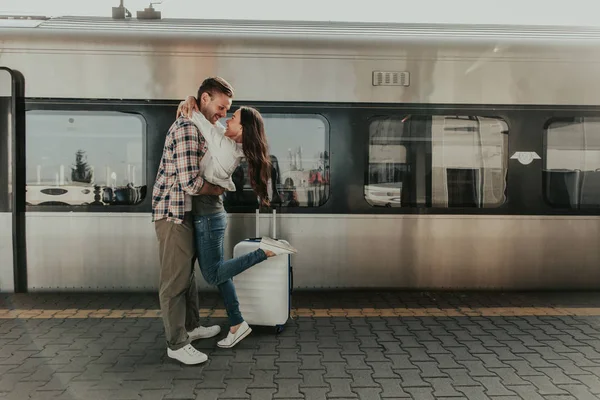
214, 85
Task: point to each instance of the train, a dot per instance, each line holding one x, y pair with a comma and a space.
406, 156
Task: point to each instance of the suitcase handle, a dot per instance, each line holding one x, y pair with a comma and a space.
257, 222
273, 224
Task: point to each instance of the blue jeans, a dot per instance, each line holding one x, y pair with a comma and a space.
210, 235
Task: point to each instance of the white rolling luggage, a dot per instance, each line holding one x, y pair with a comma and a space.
264, 291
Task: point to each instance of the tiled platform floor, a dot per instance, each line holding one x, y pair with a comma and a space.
342, 345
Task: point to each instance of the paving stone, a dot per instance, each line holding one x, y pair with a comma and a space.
314, 393
419, 354
442, 387
288, 388
569, 367
328, 342
368, 393
375, 355
236, 389
494, 387
508, 376
362, 378
411, 378
391, 388
430, 370
182, 389
288, 355
477, 368
288, 370
407, 342
356, 362
313, 378
239, 371
212, 380
392, 348
261, 394
336, 370
263, 379
46, 394
208, 394
22, 390
332, 355
350, 348
591, 381
461, 353
544, 385
528, 392
421, 393
340, 388
59, 381
270, 348
383, 337
581, 392
310, 348
581, 360
265, 362
219, 362
382, 370
461, 377
311, 362
474, 393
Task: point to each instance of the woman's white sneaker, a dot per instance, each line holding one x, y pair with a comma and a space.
276, 246
234, 338
202, 332
187, 355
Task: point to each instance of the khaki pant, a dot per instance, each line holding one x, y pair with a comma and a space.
177, 293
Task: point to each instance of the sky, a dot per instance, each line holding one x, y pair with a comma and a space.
536, 12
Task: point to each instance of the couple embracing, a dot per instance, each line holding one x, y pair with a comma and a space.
198, 160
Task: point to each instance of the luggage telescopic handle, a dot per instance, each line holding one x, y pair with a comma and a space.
273, 224
257, 231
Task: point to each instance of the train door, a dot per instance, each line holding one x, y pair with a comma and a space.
12, 188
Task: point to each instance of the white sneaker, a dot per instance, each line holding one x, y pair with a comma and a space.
234, 338
187, 355
276, 246
202, 332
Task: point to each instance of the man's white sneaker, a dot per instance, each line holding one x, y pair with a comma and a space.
202, 332
187, 355
276, 246
234, 338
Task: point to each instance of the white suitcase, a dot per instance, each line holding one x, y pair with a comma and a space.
264, 291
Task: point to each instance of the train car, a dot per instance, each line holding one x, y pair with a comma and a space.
407, 156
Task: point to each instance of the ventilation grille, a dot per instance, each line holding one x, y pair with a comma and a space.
389, 78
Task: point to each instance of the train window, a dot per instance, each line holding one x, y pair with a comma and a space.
571, 174
300, 156
437, 161
85, 158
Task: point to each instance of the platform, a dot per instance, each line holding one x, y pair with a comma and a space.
338, 345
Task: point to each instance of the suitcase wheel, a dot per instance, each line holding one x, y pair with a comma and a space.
279, 328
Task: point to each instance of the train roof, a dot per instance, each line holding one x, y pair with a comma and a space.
302, 30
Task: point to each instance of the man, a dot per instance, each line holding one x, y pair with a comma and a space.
178, 181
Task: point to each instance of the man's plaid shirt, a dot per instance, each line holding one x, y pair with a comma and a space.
179, 171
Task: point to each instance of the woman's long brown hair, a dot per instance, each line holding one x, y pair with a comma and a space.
256, 151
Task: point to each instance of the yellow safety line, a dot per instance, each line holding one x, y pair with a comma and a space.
316, 312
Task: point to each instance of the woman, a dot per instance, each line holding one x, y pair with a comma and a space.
244, 137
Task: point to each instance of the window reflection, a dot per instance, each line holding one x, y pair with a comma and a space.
572, 163
85, 158
300, 158
437, 161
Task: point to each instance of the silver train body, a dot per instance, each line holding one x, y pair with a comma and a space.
469, 203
